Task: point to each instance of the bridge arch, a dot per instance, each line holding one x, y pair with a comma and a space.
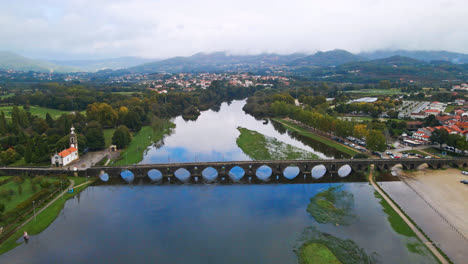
344, 171
209, 174
155, 175
318, 171
291, 172
264, 172
182, 174
236, 173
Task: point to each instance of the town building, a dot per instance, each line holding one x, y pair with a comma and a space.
69, 155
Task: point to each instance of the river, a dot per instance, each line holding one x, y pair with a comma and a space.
131, 223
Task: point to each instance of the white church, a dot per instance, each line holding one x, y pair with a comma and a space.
68, 155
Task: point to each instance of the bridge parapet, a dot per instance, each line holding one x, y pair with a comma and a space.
303, 169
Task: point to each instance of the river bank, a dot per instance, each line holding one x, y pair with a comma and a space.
44, 216
304, 132
260, 147
148, 135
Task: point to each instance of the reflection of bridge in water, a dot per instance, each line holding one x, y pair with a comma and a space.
281, 171
284, 171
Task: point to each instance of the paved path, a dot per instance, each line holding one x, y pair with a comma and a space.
407, 221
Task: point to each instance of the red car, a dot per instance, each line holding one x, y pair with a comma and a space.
397, 157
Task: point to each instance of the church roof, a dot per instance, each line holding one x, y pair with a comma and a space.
67, 152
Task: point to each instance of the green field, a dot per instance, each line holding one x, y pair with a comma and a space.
140, 141
312, 253
260, 147
17, 198
108, 133
43, 220
38, 111
302, 131
449, 108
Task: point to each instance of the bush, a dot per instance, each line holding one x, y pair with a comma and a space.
2, 208
45, 184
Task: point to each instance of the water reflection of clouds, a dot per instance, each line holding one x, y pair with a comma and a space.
201, 224
212, 137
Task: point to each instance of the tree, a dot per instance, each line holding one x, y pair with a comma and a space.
360, 131
28, 153
95, 136
431, 121
385, 84
3, 124
439, 136
376, 141
49, 120
121, 137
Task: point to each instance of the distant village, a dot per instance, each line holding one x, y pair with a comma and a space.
189, 82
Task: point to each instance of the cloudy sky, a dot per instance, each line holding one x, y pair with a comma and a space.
66, 29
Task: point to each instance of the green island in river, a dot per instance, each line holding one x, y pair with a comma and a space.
260, 147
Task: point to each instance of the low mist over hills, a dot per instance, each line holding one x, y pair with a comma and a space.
222, 61
12, 61
96, 65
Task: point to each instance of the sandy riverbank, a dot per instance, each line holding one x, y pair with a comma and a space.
444, 192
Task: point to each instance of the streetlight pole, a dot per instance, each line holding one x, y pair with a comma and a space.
34, 209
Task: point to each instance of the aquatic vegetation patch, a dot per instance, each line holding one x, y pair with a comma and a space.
260, 147
319, 247
332, 206
316, 253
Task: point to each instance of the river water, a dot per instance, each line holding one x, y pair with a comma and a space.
208, 223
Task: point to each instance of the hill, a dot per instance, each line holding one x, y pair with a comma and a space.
218, 61
419, 55
328, 58
12, 61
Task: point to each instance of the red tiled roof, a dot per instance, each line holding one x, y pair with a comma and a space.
67, 152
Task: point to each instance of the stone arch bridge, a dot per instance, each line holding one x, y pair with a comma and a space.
299, 170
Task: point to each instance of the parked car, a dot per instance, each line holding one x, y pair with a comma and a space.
397, 157
412, 154
389, 153
404, 156
464, 181
465, 172
428, 157
420, 156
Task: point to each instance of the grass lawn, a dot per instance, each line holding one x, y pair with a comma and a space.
316, 253
18, 198
108, 133
449, 108
324, 140
438, 153
140, 141
36, 110
394, 219
22, 162
4, 177
43, 220
260, 147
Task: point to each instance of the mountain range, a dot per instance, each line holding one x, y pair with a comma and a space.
221, 61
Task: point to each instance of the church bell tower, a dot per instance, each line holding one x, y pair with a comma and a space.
73, 138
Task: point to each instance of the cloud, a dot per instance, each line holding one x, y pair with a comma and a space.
164, 28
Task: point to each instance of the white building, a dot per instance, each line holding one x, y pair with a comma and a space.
68, 155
